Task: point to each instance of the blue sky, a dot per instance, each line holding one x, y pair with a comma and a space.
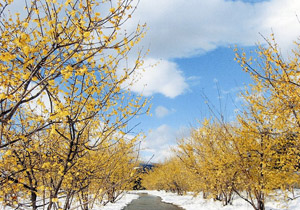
191, 43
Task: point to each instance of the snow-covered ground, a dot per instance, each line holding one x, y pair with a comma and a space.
189, 202
125, 199
120, 204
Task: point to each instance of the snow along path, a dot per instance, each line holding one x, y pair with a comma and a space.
120, 204
189, 202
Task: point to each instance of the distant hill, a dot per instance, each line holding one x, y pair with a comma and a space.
146, 167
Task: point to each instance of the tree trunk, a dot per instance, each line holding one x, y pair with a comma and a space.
33, 200
260, 204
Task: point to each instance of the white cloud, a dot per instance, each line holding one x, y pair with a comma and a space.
181, 28
160, 140
281, 17
160, 76
194, 80
162, 111
159, 155
159, 136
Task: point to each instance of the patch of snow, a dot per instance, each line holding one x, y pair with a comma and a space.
125, 199
189, 202
120, 204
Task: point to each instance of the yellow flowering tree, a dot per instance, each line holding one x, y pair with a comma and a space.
269, 127
64, 93
209, 154
170, 175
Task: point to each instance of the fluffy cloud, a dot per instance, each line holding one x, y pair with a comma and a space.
160, 140
160, 76
162, 111
159, 136
182, 28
